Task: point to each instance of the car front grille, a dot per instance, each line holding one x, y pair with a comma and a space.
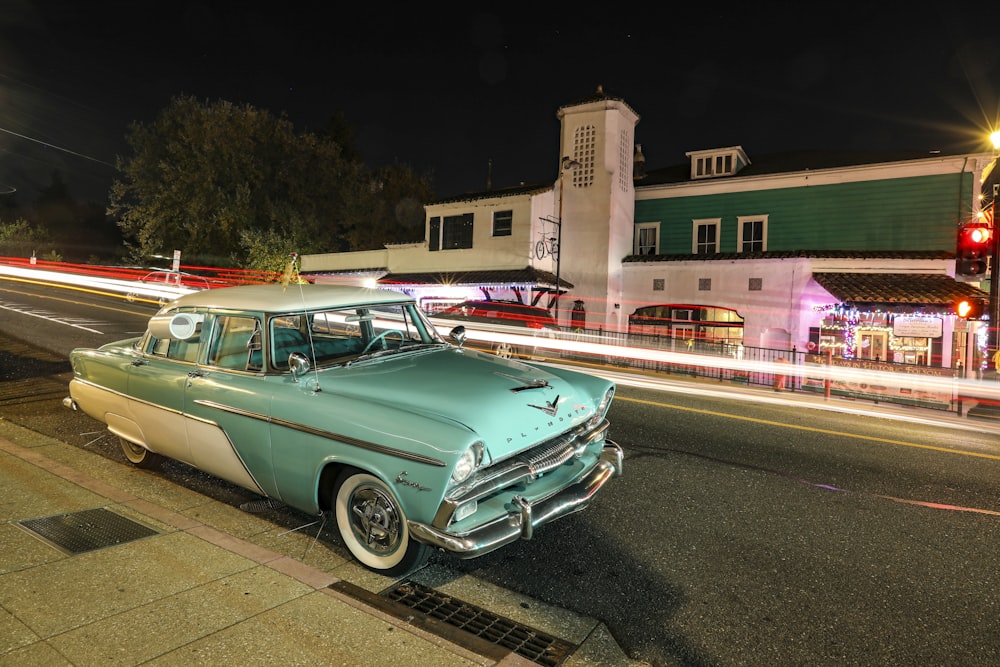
520, 468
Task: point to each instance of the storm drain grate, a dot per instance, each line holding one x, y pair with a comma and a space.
88, 530
527, 642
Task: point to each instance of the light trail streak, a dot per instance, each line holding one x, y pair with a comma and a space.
596, 347
797, 400
811, 429
562, 342
115, 286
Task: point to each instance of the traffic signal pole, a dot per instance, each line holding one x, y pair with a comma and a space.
993, 337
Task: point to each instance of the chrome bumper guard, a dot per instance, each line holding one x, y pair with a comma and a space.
520, 522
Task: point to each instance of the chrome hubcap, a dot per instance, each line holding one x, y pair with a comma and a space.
374, 520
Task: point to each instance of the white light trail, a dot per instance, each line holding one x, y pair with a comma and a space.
117, 285
563, 342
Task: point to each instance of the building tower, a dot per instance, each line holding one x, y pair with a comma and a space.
597, 206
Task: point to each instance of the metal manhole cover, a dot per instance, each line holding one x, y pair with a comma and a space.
87, 530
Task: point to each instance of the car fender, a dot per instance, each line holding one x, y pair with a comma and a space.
331, 429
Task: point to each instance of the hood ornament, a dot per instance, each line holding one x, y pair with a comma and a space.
550, 408
535, 383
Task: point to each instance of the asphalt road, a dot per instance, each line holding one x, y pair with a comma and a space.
742, 533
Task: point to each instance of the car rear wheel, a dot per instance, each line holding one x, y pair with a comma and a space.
373, 526
139, 456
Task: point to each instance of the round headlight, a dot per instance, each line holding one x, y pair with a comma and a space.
468, 463
602, 408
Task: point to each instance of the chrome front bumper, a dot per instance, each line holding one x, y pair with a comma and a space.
521, 521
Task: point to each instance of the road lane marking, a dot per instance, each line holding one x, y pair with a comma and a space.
811, 429
145, 314
828, 487
58, 320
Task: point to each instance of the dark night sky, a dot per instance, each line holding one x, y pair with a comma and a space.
446, 91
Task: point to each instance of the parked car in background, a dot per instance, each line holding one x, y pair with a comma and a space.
164, 285
347, 400
509, 316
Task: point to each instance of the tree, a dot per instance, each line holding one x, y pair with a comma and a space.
21, 238
340, 131
80, 229
267, 252
396, 211
210, 178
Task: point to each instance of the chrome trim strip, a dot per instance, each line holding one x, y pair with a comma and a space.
348, 440
127, 396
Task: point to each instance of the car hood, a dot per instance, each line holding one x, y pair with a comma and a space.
510, 405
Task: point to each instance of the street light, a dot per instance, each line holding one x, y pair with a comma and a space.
567, 164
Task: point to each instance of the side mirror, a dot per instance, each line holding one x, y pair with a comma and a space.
298, 364
457, 335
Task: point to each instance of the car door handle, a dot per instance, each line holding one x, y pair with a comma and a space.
195, 374
139, 362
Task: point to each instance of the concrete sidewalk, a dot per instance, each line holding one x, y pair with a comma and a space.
212, 584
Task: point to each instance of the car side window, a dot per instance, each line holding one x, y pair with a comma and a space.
177, 350
235, 343
325, 338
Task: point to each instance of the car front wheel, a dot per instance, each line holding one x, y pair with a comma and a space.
505, 350
373, 526
139, 456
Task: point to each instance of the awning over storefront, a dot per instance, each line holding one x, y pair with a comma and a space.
900, 292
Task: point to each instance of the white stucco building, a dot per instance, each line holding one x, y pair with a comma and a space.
779, 252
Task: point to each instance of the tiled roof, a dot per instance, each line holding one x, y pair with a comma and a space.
761, 165
897, 288
526, 276
512, 191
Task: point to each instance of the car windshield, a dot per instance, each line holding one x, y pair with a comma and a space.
332, 337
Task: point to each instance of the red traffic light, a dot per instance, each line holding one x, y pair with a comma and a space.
970, 309
974, 237
975, 245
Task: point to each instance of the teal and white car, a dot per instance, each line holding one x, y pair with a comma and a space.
346, 400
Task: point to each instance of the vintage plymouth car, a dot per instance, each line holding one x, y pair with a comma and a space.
341, 399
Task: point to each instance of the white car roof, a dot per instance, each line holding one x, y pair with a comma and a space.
273, 298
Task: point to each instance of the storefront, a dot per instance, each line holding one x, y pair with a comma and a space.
898, 319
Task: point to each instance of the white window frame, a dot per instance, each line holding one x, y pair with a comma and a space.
710, 164
506, 215
743, 221
639, 229
710, 222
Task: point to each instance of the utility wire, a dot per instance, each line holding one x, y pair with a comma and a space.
58, 148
